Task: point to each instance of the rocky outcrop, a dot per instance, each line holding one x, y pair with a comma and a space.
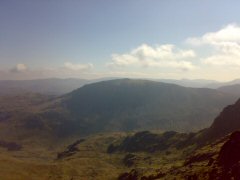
230, 151
135, 175
132, 175
228, 160
129, 160
146, 141
198, 158
228, 121
71, 150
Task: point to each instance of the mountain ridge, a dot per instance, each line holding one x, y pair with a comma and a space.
126, 98
59, 86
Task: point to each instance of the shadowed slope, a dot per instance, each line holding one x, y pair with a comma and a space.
140, 104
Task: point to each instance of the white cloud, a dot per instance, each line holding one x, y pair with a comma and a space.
78, 67
217, 54
166, 55
225, 44
19, 68
230, 33
66, 70
123, 60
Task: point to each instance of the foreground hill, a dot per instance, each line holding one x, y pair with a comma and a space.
158, 156
218, 160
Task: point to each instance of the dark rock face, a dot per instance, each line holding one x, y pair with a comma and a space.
228, 160
224, 166
132, 175
71, 150
198, 158
230, 151
228, 121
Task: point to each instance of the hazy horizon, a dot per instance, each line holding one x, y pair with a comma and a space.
123, 77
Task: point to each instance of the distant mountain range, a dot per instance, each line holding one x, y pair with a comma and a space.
196, 83
231, 89
56, 86
52, 86
220, 84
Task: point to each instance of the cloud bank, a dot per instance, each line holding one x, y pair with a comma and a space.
212, 55
161, 56
225, 44
66, 70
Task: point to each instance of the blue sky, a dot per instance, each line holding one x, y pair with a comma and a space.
130, 38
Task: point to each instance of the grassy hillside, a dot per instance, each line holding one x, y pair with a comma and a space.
89, 158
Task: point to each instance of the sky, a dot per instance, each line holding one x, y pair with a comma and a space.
89, 39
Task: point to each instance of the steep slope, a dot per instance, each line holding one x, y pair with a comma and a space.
120, 105
227, 122
219, 160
